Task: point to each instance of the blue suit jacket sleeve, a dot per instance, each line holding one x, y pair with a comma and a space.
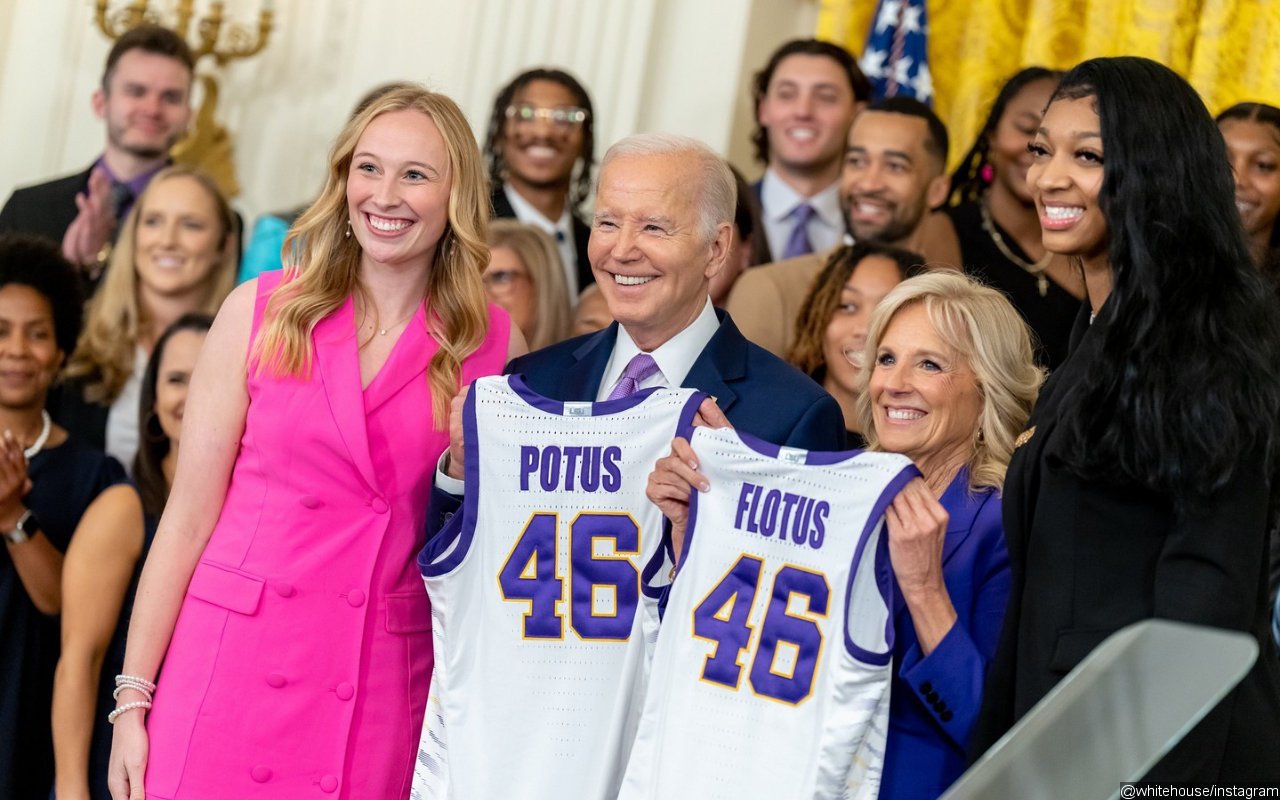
955, 672
820, 427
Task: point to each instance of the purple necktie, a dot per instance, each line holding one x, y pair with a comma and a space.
798, 242
638, 369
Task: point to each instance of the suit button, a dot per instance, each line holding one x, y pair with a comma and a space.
345, 691
328, 784
275, 680
946, 715
931, 696
285, 589
260, 773
309, 501
378, 505
356, 598
926, 687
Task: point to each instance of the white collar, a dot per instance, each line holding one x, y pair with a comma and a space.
675, 357
525, 212
779, 199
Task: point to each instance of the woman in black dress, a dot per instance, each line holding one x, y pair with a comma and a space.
1143, 485
995, 219
51, 489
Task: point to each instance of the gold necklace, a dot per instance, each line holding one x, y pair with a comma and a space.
1036, 270
382, 331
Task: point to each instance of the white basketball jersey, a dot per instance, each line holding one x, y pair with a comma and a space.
535, 592
772, 668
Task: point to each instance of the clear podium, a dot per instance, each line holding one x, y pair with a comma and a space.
1112, 718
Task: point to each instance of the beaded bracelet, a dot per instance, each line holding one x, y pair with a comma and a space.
141, 683
111, 718
115, 695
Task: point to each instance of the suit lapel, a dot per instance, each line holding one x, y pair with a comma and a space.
1019, 497
582, 379
722, 363
408, 360
338, 362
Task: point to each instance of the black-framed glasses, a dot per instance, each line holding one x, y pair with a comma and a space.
561, 117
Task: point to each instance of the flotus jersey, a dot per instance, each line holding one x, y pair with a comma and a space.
772, 668
535, 594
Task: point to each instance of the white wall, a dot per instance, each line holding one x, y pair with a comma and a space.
671, 65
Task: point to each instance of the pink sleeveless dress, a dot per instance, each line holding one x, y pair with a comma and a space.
301, 658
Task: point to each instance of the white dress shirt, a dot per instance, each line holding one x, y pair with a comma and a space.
778, 200
675, 357
560, 231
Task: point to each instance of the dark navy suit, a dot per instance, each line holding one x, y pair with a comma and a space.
759, 392
936, 698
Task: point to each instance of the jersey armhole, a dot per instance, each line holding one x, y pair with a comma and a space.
447, 550
657, 576
868, 632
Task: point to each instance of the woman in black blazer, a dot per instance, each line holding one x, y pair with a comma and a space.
1143, 484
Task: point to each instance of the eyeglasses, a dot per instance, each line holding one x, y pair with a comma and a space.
503, 280
566, 117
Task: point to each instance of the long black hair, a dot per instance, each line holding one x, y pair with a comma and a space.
968, 182
581, 188
1187, 380
153, 444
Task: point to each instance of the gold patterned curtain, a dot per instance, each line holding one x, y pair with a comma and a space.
1228, 49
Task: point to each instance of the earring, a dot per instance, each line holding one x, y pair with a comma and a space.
347, 235
988, 173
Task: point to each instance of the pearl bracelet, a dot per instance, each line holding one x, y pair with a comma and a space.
115, 695
141, 683
111, 718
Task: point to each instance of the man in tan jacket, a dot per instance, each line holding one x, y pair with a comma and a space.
894, 173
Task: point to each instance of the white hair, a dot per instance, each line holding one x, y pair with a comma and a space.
718, 190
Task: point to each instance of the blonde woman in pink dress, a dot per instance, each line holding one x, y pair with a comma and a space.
281, 593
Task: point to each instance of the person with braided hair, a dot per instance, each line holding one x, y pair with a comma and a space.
995, 221
540, 150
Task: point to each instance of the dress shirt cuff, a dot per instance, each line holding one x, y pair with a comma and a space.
446, 483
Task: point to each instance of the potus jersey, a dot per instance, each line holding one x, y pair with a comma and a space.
771, 672
535, 592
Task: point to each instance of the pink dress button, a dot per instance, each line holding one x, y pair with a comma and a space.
285, 589
260, 773
275, 680
356, 598
309, 501
328, 784
345, 691
378, 505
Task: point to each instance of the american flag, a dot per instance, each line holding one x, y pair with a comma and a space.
896, 58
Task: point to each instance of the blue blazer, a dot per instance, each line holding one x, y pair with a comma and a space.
759, 392
935, 698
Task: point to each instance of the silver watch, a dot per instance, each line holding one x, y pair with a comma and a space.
23, 530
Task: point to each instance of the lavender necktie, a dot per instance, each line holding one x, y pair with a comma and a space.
798, 242
638, 369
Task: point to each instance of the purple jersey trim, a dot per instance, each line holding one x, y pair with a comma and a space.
458, 528
683, 429
813, 458
905, 476
598, 409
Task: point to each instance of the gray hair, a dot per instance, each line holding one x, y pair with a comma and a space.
718, 190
